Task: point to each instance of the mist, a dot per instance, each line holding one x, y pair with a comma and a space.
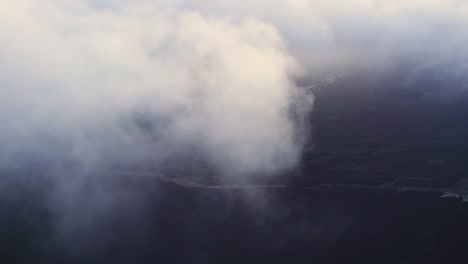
377, 37
109, 82
96, 91
146, 84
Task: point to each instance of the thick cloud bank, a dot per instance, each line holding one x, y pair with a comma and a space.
100, 83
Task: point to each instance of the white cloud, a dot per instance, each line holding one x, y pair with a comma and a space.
139, 82
339, 35
216, 76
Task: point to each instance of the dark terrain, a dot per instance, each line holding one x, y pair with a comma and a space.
331, 210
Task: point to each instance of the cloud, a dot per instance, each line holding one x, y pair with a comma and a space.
155, 80
146, 82
379, 37
100, 84
88, 87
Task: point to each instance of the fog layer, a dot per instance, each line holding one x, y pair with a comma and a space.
99, 84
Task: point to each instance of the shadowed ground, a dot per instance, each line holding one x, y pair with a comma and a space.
368, 191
